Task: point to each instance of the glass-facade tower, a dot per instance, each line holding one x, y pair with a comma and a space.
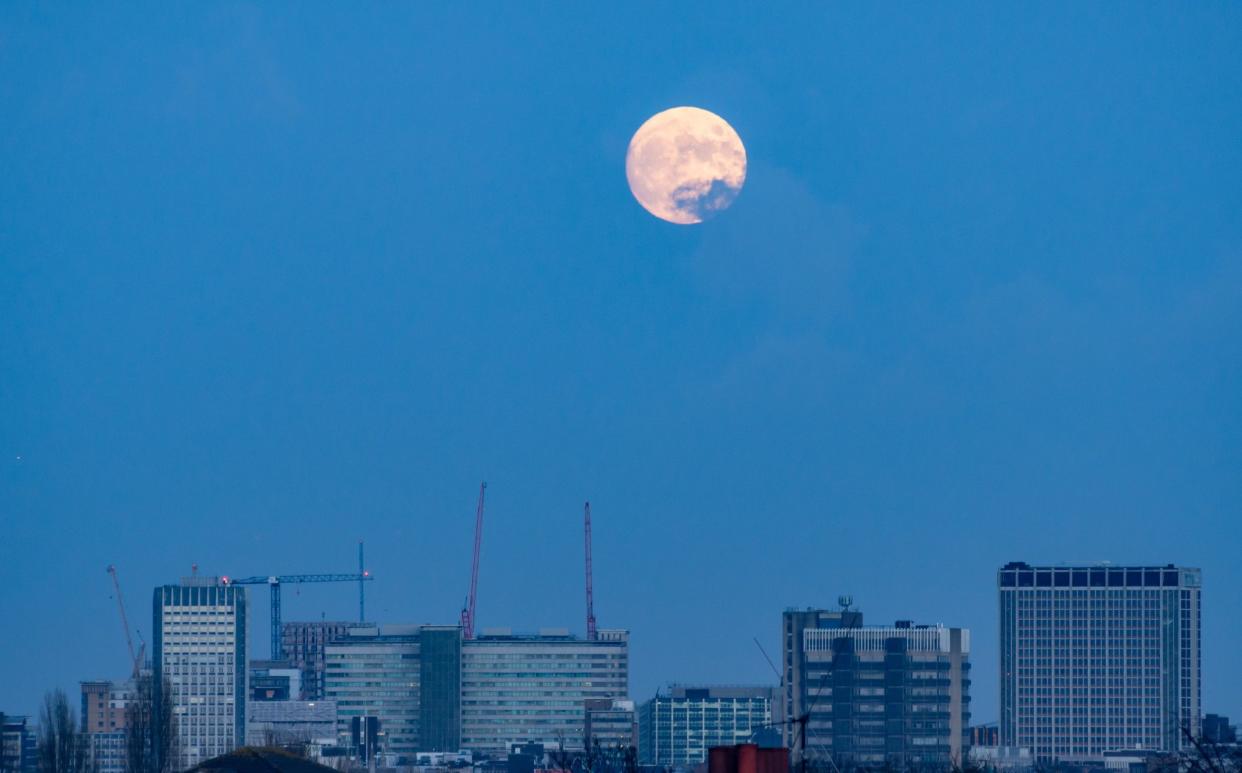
1098, 658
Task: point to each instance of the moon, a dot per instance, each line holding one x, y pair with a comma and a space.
685, 165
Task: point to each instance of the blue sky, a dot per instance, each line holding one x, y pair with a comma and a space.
277, 278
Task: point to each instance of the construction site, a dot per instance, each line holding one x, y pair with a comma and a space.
364, 692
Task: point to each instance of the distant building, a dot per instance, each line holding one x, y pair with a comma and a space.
103, 705
19, 746
199, 648
1098, 658
274, 680
984, 735
303, 646
1008, 758
104, 720
609, 723
877, 695
747, 758
794, 623
406, 676
679, 727
291, 723
533, 688
107, 751
1217, 730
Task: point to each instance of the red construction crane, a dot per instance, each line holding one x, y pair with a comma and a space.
590, 591
467, 611
135, 657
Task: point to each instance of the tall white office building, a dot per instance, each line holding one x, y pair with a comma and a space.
200, 656
1098, 658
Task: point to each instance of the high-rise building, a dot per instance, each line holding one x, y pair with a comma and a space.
1098, 658
532, 688
199, 649
793, 623
405, 676
876, 695
303, 646
678, 727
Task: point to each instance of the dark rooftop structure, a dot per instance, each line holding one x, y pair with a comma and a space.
249, 759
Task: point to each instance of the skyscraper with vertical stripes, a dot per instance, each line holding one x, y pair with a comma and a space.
1098, 658
199, 655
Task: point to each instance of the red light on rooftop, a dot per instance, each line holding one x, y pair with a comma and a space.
224, 580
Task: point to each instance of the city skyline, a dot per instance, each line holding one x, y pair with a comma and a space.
256, 634
274, 280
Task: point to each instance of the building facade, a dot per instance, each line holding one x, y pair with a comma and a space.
609, 723
406, 676
532, 688
303, 646
19, 746
103, 705
199, 651
678, 728
274, 680
876, 695
794, 622
1098, 658
104, 721
291, 723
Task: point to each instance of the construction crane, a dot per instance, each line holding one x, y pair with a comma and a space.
273, 582
362, 588
467, 610
590, 591
135, 658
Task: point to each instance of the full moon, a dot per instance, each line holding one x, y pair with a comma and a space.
685, 164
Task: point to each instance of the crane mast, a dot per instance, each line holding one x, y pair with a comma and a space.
135, 658
467, 612
590, 591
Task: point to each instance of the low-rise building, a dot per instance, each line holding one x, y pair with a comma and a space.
610, 723
677, 728
290, 723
